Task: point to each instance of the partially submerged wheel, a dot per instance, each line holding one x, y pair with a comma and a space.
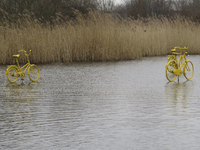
188, 70
171, 65
12, 74
33, 73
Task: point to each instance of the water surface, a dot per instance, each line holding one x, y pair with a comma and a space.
101, 105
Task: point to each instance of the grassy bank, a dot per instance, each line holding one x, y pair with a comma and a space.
100, 37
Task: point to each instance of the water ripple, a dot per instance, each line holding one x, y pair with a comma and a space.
101, 105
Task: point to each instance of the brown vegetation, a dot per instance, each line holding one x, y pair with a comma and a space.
97, 37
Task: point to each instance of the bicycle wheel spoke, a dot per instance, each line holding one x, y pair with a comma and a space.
188, 70
171, 76
169, 71
34, 73
12, 75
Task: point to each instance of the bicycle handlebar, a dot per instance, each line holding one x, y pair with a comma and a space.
184, 48
25, 52
181, 48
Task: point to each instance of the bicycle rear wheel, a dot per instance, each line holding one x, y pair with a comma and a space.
12, 74
188, 70
33, 73
171, 65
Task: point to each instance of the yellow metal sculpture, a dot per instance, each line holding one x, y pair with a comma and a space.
14, 71
175, 68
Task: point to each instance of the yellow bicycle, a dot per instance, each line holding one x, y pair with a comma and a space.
175, 68
14, 71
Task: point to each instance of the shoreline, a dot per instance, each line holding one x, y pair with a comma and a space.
138, 59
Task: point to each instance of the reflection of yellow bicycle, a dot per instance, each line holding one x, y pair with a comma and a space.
176, 68
14, 71
22, 92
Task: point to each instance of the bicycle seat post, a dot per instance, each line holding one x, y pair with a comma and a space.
17, 62
16, 56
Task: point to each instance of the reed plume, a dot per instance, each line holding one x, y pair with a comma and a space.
96, 37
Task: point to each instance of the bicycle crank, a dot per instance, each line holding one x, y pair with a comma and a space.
22, 75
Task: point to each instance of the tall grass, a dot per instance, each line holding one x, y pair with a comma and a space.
98, 37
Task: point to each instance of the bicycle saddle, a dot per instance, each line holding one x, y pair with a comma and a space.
16, 56
173, 50
174, 53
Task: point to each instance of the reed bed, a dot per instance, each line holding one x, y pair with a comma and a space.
98, 37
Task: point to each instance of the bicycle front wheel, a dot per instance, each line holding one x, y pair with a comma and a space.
171, 65
12, 74
33, 73
188, 70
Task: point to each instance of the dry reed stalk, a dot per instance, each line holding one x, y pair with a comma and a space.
99, 37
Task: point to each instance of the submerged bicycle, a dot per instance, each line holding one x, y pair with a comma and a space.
175, 68
14, 71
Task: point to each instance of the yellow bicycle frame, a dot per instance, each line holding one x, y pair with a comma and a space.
20, 72
176, 68
179, 66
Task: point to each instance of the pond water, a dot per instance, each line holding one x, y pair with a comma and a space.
122, 105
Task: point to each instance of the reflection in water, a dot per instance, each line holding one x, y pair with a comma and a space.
104, 105
177, 95
18, 92
20, 97
17, 111
178, 91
